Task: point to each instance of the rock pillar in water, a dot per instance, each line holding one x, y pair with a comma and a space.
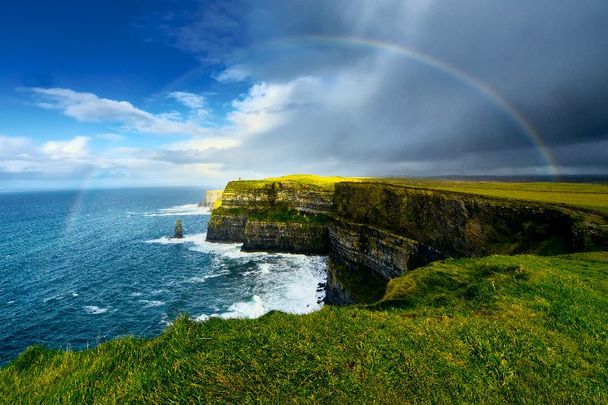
179, 232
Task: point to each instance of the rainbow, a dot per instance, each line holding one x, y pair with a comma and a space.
488, 92
74, 209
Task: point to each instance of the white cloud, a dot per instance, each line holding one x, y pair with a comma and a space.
88, 107
76, 148
268, 105
194, 102
190, 100
11, 147
203, 144
237, 73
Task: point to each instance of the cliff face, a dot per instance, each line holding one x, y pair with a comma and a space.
386, 253
288, 237
390, 229
374, 232
278, 216
262, 195
459, 224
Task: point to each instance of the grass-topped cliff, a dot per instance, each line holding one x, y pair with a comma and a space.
487, 329
492, 330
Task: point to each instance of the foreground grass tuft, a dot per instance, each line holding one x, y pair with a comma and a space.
498, 329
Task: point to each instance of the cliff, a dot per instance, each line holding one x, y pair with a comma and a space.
211, 198
388, 229
286, 214
375, 231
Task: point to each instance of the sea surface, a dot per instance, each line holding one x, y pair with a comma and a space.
80, 267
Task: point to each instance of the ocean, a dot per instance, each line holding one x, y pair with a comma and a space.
80, 267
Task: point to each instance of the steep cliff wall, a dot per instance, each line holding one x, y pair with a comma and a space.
283, 236
274, 215
264, 195
391, 229
374, 231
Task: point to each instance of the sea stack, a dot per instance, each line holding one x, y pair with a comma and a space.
179, 232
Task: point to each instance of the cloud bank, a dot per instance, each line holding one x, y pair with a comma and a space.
388, 87
361, 106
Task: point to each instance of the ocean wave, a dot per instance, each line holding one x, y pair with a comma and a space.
202, 279
179, 210
277, 281
152, 303
292, 288
95, 310
196, 238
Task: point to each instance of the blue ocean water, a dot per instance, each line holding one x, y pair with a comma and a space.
79, 268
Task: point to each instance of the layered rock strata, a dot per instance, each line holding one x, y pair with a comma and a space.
277, 216
374, 231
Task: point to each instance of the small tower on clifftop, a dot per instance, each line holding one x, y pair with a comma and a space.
179, 232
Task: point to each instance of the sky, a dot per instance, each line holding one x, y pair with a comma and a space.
173, 93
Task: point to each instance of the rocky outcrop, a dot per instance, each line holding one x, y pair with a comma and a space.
179, 231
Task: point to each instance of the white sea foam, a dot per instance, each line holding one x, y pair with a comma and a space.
253, 308
289, 285
198, 240
179, 210
202, 279
278, 281
164, 319
54, 297
265, 268
95, 310
194, 238
152, 303
159, 291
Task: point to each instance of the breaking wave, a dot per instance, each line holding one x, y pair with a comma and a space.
179, 210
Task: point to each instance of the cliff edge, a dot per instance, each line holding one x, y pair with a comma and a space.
374, 231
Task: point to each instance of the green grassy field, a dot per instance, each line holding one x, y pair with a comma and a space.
584, 195
494, 330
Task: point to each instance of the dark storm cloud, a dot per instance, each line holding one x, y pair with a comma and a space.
376, 109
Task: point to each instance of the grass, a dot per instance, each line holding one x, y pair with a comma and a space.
493, 330
308, 179
584, 195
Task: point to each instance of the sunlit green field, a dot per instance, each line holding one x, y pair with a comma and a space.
584, 195
493, 330
590, 196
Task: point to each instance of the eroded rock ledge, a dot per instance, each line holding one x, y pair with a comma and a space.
374, 231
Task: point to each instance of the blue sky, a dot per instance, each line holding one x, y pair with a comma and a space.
121, 93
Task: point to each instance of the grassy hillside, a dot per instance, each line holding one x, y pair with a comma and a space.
499, 329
